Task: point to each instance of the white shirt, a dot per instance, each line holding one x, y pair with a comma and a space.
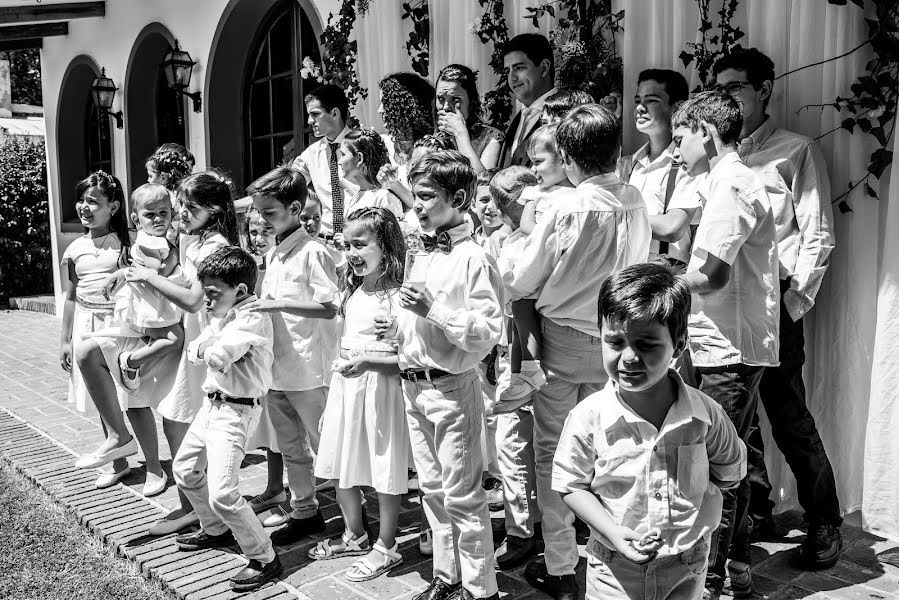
651, 478
651, 178
600, 229
545, 199
239, 359
315, 165
379, 198
299, 268
529, 116
738, 323
795, 176
466, 319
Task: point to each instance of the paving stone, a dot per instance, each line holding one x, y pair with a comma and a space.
207, 578
182, 559
191, 573
331, 588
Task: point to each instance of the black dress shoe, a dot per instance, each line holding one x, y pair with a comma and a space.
439, 590
513, 552
821, 547
255, 575
560, 587
200, 540
297, 529
463, 594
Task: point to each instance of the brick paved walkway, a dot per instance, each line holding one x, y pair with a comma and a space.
33, 400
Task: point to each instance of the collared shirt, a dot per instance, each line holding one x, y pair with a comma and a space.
239, 357
738, 323
651, 478
315, 165
299, 268
651, 178
600, 229
795, 176
466, 319
378, 198
529, 116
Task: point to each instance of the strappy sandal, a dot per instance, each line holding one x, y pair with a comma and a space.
354, 547
362, 571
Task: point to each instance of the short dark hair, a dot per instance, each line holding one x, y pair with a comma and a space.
535, 46
484, 177
558, 105
591, 137
449, 169
506, 187
281, 183
646, 292
675, 84
715, 108
758, 67
330, 97
231, 265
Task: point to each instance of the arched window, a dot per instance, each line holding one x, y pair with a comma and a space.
274, 108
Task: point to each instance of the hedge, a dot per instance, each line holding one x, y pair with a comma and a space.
25, 256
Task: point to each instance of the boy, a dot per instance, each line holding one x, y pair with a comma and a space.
237, 349
449, 325
642, 461
559, 104
669, 192
733, 274
298, 290
795, 175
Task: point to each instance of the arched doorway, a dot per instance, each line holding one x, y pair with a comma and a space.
83, 136
262, 103
154, 114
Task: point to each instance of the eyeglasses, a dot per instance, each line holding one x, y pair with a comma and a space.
731, 89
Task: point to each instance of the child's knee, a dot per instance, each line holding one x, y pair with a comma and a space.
87, 351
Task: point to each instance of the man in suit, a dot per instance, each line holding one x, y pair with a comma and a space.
528, 59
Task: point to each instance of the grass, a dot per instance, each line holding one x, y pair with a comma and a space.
45, 554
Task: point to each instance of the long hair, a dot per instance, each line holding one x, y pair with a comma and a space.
381, 223
408, 103
373, 150
213, 191
171, 163
111, 188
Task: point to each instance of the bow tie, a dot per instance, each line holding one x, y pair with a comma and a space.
441, 242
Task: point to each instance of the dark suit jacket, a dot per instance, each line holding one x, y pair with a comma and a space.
520, 157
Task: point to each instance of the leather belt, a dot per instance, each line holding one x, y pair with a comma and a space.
423, 374
225, 398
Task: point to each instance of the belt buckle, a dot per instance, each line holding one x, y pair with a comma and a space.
411, 375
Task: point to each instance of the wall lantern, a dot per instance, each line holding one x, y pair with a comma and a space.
103, 90
178, 66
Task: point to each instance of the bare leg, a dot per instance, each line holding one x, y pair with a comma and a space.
389, 511
527, 328
119, 464
350, 501
102, 390
164, 341
174, 433
275, 463
144, 426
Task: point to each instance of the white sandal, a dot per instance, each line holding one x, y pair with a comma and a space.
362, 571
354, 547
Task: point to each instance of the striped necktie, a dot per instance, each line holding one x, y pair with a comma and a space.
336, 190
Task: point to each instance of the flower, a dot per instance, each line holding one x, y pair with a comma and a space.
310, 69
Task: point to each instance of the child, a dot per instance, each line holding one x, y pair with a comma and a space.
260, 238
486, 225
642, 461
733, 273
298, 291
236, 349
141, 312
559, 104
601, 228
449, 324
365, 441
362, 155
311, 217
168, 166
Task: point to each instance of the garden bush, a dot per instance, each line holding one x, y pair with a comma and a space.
25, 257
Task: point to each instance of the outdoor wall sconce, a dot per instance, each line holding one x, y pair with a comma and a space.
178, 66
103, 90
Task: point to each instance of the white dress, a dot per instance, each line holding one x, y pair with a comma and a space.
379, 198
94, 261
364, 436
139, 305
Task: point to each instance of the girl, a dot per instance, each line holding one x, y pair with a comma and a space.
459, 114
260, 238
167, 166
362, 155
364, 438
406, 102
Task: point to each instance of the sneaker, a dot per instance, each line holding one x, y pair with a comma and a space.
255, 575
821, 547
514, 551
560, 587
426, 542
439, 590
130, 377
523, 384
267, 500
494, 488
200, 540
297, 529
740, 579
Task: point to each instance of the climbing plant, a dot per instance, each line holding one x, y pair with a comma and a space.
339, 52
492, 27
716, 40
417, 46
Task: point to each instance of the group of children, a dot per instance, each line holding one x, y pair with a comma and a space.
544, 335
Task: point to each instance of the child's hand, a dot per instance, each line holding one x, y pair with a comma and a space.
623, 538
650, 543
353, 367
385, 326
416, 298
263, 305
65, 356
338, 240
387, 174
113, 284
138, 273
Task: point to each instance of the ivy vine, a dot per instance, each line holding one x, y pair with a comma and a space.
417, 46
712, 44
492, 27
339, 52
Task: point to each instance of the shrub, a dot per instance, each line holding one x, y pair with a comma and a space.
25, 256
